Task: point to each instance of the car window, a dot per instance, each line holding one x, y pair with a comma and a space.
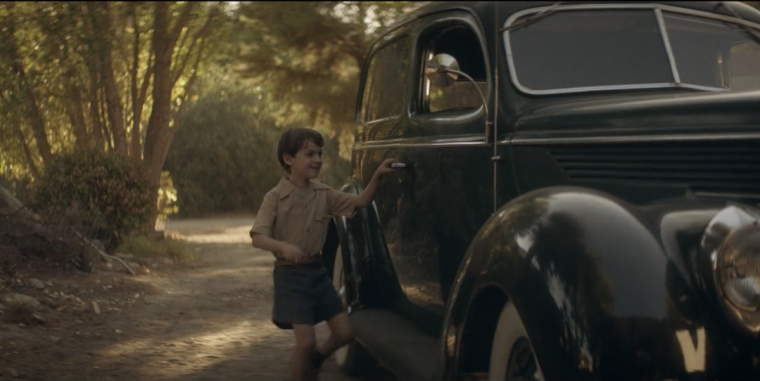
713, 53
583, 50
461, 42
575, 49
384, 91
744, 66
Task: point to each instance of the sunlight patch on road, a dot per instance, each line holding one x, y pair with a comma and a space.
237, 234
203, 350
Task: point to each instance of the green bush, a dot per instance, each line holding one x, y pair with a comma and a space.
223, 158
111, 192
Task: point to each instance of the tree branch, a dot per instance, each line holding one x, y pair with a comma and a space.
134, 148
190, 81
201, 33
184, 18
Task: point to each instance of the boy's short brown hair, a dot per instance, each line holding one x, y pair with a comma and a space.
293, 139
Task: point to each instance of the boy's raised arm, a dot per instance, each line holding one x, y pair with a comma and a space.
369, 192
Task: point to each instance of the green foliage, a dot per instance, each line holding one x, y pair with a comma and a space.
223, 157
112, 191
167, 197
145, 247
310, 54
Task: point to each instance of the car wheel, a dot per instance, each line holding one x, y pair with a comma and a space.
352, 359
512, 356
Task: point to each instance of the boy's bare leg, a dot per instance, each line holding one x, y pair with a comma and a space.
341, 333
305, 344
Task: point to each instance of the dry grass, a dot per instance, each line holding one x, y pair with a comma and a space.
146, 247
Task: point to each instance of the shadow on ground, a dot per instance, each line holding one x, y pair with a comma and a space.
206, 322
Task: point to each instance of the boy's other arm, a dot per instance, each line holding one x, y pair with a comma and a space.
369, 192
264, 242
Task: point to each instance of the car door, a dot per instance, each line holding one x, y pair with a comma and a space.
381, 121
432, 209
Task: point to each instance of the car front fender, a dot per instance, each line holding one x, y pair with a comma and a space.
593, 281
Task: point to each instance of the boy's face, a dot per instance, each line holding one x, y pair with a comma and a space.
307, 162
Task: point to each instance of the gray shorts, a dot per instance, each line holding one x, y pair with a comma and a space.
303, 294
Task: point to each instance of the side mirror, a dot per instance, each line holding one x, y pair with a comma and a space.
443, 70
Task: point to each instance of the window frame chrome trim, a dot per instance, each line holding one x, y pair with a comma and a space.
532, 141
470, 140
668, 48
727, 195
654, 7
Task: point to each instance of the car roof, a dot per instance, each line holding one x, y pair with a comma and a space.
507, 8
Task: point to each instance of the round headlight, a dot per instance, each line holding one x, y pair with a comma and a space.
738, 268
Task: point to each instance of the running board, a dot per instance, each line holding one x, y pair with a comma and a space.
396, 344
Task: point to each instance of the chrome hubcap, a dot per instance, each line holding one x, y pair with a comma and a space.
522, 363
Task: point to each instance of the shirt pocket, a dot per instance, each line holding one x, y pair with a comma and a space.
321, 215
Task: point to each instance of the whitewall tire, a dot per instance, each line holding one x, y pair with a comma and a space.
512, 356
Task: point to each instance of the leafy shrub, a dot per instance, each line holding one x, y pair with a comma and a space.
113, 191
223, 158
167, 197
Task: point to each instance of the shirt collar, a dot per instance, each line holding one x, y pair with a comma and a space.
285, 187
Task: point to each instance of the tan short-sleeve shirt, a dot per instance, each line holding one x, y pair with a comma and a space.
300, 217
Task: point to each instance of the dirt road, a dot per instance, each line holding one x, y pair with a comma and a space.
209, 321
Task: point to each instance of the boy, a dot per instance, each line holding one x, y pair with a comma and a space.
292, 224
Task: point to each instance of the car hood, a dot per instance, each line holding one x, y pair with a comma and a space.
734, 112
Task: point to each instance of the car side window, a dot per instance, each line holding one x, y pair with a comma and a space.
384, 85
461, 42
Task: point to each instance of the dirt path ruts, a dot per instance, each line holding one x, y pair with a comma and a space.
209, 321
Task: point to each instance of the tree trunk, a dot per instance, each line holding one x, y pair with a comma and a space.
96, 123
27, 152
158, 135
159, 116
9, 204
138, 95
33, 112
76, 113
101, 20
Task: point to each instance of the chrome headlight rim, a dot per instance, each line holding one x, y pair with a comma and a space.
730, 243
727, 223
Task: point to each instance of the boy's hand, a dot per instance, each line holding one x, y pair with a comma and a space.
385, 167
292, 253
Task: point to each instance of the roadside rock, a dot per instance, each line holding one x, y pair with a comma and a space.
8, 372
21, 299
36, 283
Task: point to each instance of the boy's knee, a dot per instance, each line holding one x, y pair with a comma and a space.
306, 345
345, 336
305, 339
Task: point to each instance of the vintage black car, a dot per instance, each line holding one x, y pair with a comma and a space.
579, 199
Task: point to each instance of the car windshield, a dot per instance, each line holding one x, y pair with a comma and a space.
585, 50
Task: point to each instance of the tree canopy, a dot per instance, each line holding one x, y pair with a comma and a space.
109, 75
